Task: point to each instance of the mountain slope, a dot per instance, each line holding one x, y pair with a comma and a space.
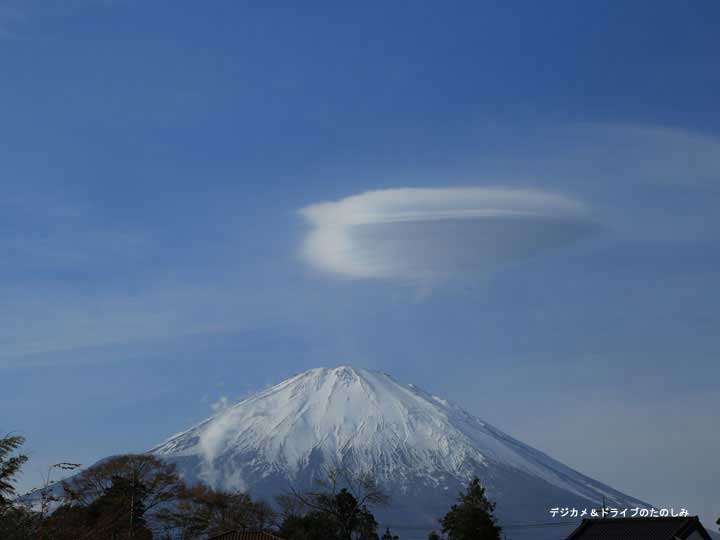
421, 448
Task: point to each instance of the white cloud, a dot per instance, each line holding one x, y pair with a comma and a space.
645, 153
36, 324
432, 234
221, 404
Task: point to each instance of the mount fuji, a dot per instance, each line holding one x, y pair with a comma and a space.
421, 449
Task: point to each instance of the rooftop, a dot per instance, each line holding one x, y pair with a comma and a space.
660, 528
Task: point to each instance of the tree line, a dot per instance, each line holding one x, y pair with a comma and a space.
140, 497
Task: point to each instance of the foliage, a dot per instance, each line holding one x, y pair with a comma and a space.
389, 535
120, 497
140, 497
18, 523
311, 526
202, 512
333, 517
338, 512
473, 517
10, 466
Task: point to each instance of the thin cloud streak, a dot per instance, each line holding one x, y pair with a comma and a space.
657, 154
16, 14
73, 280
37, 324
10, 17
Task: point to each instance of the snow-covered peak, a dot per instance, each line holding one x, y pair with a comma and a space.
365, 419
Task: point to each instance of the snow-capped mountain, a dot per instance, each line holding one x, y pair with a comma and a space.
419, 447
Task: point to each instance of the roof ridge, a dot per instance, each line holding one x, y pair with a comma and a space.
237, 533
645, 528
638, 518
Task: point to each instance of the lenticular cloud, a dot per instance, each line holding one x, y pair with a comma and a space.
434, 234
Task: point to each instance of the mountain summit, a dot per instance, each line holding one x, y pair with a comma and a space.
419, 447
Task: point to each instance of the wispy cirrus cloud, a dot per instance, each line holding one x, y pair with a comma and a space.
72, 279
647, 153
15, 14
12, 15
429, 234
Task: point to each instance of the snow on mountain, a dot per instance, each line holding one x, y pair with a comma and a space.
421, 448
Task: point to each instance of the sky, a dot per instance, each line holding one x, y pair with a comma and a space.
513, 205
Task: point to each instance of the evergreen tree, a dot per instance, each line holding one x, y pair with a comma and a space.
341, 511
311, 526
121, 508
356, 522
10, 466
18, 523
117, 512
333, 516
472, 518
119, 497
366, 526
389, 535
67, 522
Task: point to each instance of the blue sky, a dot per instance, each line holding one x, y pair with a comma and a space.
159, 162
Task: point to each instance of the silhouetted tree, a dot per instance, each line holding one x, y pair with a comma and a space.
389, 535
340, 511
473, 517
67, 522
290, 506
10, 465
333, 517
201, 511
310, 526
118, 512
120, 496
18, 523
